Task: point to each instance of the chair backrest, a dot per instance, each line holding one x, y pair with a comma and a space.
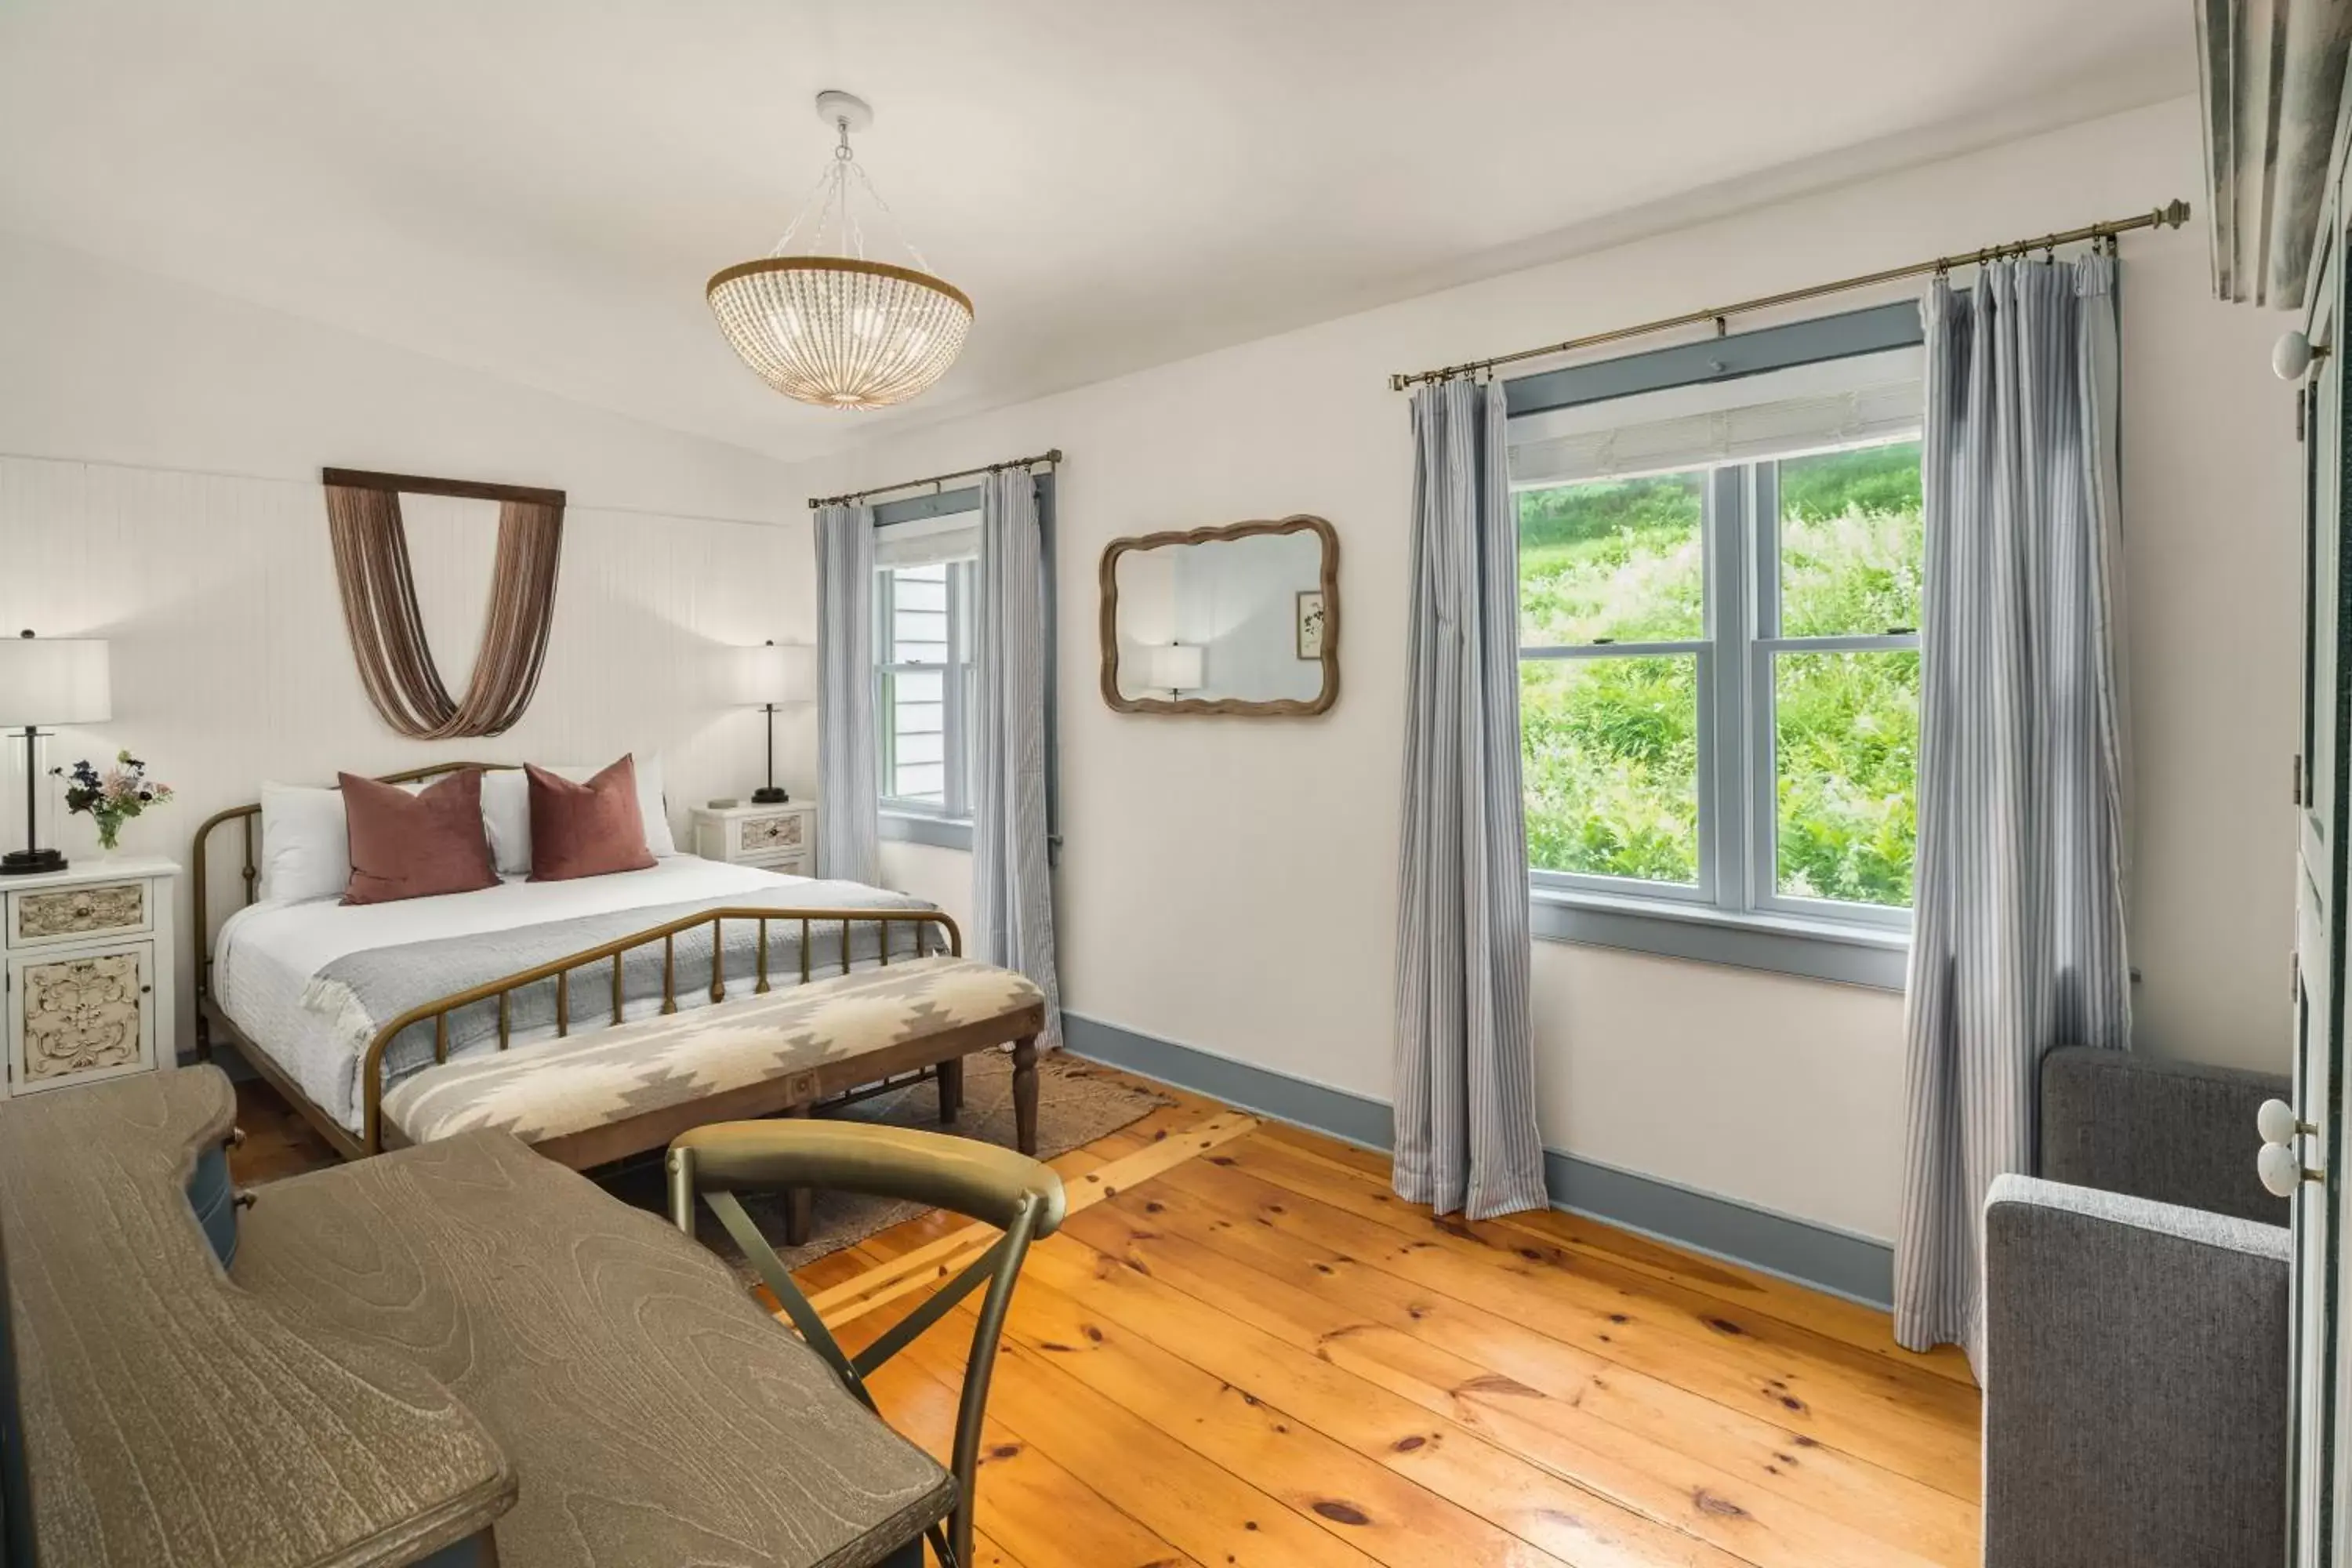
1000, 1189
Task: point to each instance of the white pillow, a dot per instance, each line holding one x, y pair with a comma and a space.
506, 819
306, 844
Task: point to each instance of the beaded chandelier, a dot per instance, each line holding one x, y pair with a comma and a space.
829, 326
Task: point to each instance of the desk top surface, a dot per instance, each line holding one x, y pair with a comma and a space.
654, 1413
170, 1418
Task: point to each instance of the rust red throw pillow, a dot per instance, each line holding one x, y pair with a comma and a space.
408, 846
586, 829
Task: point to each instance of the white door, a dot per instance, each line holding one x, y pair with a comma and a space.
2322, 783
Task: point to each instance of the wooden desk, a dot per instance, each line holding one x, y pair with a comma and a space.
168, 1419
656, 1414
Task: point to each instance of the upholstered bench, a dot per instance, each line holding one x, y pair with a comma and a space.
591, 1098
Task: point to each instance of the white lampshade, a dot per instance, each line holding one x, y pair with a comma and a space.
53, 680
778, 673
1173, 666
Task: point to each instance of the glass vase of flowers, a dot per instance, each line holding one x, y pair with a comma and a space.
113, 797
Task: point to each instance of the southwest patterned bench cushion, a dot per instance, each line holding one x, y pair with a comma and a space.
555, 1087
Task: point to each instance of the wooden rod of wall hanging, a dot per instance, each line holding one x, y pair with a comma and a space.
1054, 456
2172, 215
418, 485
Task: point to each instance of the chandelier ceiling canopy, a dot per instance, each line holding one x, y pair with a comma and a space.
829, 324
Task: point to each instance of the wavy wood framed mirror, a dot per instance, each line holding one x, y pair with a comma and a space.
1243, 619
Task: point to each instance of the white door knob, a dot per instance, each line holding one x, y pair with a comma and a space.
2291, 355
2282, 1171
2277, 1123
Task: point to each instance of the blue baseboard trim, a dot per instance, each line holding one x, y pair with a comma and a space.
1355, 1118
1854, 1267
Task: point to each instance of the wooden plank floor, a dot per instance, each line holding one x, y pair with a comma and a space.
1244, 1350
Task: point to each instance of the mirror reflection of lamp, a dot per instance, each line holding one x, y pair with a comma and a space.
1175, 665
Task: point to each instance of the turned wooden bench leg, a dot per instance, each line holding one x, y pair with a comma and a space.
800, 1203
951, 1091
1025, 1094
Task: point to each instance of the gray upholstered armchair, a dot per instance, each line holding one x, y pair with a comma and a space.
2137, 1376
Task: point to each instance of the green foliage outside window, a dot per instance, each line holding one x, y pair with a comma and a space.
1611, 744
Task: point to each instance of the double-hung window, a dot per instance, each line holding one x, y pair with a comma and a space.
925, 575
926, 584
1720, 554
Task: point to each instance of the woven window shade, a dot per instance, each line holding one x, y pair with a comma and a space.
928, 542
1845, 403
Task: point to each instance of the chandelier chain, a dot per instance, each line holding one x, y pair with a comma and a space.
820, 321
896, 226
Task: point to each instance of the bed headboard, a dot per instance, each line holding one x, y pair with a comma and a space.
244, 821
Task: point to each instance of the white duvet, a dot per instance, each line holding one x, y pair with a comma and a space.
268, 951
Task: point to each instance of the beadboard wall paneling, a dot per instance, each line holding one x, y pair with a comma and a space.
231, 665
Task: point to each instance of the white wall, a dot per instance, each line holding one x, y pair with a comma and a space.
1230, 883
159, 457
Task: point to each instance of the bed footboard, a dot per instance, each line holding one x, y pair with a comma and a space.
948, 940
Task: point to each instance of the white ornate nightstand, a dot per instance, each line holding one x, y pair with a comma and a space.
88, 953
780, 838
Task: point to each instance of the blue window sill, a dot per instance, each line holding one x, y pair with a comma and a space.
939, 832
1868, 956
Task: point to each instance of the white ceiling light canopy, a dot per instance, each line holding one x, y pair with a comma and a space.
828, 324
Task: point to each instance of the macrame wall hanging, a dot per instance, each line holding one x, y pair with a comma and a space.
388, 633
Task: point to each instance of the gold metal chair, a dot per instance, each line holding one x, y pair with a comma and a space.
1020, 1195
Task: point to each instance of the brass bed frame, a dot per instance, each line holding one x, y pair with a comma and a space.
879, 1076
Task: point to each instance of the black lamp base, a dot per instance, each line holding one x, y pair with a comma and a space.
770, 796
30, 862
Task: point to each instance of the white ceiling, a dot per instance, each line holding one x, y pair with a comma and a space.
539, 188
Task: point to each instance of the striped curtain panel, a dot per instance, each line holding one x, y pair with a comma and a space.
849, 827
1012, 882
2018, 934
1465, 1112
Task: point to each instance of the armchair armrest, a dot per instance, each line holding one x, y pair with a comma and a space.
2137, 1381
2177, 1132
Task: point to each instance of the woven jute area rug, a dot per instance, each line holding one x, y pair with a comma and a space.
1077, 1103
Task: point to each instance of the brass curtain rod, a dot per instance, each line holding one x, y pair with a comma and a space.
2172, 215
1054, 455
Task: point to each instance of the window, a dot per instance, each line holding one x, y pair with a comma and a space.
1719, 589
922, 616
926, 581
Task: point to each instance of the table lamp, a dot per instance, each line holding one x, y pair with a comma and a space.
776, 676
44, 681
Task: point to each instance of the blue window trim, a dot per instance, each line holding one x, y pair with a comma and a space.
1877, 957
1842, 336
955, 833
1699, 925
914, 827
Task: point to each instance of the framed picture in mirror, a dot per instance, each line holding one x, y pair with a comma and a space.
1242, 619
